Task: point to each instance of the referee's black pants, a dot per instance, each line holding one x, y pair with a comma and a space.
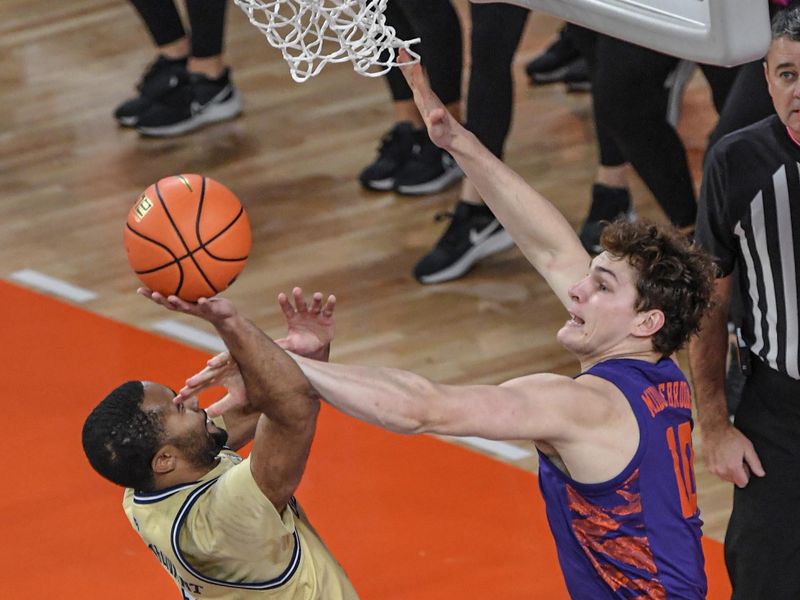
762, 544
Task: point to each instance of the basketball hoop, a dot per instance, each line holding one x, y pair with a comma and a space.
313, 33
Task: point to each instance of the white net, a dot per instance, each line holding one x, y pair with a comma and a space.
313, 33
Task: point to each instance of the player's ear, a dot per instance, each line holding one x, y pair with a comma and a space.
648, 323
165, 460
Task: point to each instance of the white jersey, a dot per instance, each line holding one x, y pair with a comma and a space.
220, 537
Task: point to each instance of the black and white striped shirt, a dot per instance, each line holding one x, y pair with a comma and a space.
750, 216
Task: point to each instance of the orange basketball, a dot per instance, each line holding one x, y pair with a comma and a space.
187, 235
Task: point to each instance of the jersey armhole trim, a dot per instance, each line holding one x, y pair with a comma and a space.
180, 519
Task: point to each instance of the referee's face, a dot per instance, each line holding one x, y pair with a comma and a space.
782, 69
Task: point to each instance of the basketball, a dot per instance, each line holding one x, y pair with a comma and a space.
187, 235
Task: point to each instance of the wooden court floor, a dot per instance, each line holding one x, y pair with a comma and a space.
69, 175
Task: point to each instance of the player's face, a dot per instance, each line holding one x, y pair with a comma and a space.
602, 311
782, 68
186, 428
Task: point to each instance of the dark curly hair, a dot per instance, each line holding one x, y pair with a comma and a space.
674, 276
120, 439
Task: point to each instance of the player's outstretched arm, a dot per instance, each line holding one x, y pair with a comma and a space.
274, 385
537, 227
540, 407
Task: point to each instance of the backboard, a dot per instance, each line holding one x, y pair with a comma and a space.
720, 32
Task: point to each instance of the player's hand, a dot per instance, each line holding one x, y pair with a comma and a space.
440, 123
221, 370
213, 310
310, 328
730, 455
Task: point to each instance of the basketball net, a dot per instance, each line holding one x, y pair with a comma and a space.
313, 33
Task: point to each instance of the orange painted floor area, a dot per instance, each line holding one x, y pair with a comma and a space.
408, 517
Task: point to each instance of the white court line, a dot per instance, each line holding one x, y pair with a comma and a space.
57, 287
192, 335
501, 449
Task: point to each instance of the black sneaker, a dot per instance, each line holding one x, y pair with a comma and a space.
577, 76
608, 204
429, 170
552, 64
161, 76
473, 234
396, 148
195, 102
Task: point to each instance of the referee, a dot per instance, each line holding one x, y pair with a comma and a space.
749, 218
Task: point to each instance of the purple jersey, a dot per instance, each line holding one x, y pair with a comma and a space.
638, 534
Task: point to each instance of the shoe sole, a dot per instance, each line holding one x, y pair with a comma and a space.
211, 114
127, 121
496, 243
379, 185
434, 186
554, 76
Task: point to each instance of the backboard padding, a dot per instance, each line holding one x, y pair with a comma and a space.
720, 32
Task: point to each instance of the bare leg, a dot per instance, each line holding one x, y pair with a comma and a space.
175, 50
615, 177
210, 66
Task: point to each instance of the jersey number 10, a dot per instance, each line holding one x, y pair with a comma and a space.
679, 440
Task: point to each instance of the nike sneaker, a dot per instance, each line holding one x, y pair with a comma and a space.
429, 169
161, 77
553, 64
195, 102
473, 234
396, 148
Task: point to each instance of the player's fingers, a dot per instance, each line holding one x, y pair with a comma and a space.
299, 300
181, 305
204, 378
404, 58
189, 389
740, 475
155, 297
186, 392
221, 406
752, 461
194, 385
330, 305
316, 303
411, 71
220, 360
286, 306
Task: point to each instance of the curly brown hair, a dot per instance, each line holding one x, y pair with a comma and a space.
674, 276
